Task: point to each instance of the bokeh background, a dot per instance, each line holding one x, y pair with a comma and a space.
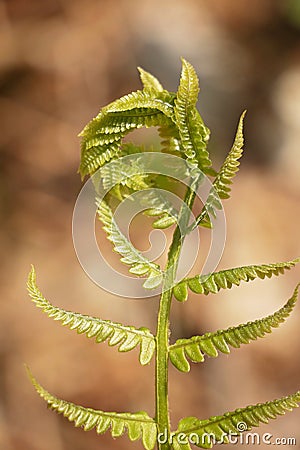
60, 61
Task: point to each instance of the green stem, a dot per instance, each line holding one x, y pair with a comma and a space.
163, 331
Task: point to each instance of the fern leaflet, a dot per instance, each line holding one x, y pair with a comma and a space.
101, 138
206, 433
125, 337
122, 177
137, 425
192, 131
225, 279
210, 343
130, 255
161, 207
231, 164
221, 185
170, 139
131, 175
149, 81
150, 100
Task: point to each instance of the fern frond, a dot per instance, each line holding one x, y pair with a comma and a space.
188, 89
102, 137
160, 207
131, 174
121, 177
206, 433
170, 139
225, 279
149, 81
130, 255
150, 100
193, 133
137, 425
125, 337
221, 185
231, 164
196, 347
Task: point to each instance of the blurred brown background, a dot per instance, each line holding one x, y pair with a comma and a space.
60, 61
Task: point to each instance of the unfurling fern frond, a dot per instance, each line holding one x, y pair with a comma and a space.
102, 137
206, 433
130, 173
225, 279
130, 255
137, 425
149, 81
192, 131
210, 343
125, 337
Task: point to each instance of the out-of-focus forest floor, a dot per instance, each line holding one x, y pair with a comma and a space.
60, 61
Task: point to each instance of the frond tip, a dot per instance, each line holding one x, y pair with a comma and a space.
216, 430
149, 81
137, 425
125, 337
192, 131
210, 343
231, 164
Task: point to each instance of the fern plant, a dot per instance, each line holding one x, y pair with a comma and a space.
185, 135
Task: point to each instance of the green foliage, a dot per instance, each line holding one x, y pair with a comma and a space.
137, 425
210, 343
192, 131
231, 164
162, 207
130, 256
149, 81
184, 134
125, 337
217, 427
221, 185
103, 135
225, 279
130, 175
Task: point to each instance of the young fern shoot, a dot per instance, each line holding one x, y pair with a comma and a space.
120, 172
